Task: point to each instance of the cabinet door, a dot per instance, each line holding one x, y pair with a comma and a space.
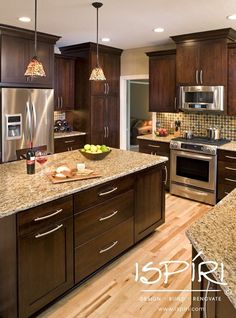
213, 63
231, 82
112, 122
98, 120
45, 266
68, 143
57, 104
149, 202
187, 64
14, 59
162, 88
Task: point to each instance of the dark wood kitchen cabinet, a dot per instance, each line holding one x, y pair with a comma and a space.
157, 148
201, 58
211, 307
162, 84
64, 82
100, 127
231, 107
45, 254
17, 49
226, 173
69, 143
149, 201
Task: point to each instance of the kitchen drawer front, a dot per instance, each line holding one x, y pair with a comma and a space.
155, 146
224, 189
39, 217
102, 217
226, 172
87, 198
68, 143
228, 156
97, 252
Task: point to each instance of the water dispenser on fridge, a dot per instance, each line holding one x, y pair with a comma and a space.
13, 126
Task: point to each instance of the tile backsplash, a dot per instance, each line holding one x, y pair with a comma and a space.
58, 115
198, 123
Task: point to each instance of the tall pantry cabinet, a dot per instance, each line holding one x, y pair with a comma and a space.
98, 103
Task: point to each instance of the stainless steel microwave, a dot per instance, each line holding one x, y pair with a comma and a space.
202, 98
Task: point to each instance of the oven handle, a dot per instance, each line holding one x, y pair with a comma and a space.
192, 155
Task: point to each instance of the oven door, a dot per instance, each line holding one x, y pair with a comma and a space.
189, 168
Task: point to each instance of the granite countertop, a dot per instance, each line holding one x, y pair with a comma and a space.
20, 191
155, 138
68, 134
229, 146
215, 235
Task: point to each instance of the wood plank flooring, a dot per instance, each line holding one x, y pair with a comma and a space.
113, 292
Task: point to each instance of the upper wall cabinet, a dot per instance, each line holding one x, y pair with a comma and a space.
201, 58
17, 49
162, 84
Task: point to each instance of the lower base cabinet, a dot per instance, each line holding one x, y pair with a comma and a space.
61, 243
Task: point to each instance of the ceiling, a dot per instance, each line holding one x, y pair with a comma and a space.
128, 23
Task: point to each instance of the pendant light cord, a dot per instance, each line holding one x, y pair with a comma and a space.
35, 27
97, 39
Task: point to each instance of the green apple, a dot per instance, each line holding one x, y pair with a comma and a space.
93, 148
87, 147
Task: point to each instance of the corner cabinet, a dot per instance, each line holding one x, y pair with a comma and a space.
162, 84
201, 58
17, 49
97, 103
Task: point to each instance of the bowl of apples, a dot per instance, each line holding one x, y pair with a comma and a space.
161, 132
93, 152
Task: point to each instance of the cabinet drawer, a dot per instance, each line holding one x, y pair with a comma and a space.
154, 146
97, 252
228, 156
102, 217
224, 189
68, 143
37, 218
85, 199
226, 171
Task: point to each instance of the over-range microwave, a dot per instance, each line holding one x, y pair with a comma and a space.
202, 98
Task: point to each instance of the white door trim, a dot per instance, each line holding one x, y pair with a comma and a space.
123, 106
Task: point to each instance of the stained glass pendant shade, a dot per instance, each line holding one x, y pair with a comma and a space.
97, 73
35, 67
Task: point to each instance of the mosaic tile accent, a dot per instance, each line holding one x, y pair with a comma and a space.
199, 123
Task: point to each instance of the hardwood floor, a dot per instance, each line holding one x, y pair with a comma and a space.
113, 292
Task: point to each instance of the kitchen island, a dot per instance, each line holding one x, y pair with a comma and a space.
214, 235
54, 236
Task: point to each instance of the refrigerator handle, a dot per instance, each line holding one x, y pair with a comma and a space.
34, 120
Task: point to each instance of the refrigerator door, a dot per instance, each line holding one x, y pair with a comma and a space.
35, 109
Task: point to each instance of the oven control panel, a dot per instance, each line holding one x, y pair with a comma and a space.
188, 146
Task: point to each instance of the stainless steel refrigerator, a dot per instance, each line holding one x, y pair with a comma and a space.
26, 119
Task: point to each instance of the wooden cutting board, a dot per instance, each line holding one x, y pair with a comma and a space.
76, 177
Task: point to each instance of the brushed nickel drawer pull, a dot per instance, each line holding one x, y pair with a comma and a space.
166, 176
109, 216
229, 157
108, 192
48, 216
108, 248
154, 146
49, 232
226, 192
232, 180
229, 168
69, 141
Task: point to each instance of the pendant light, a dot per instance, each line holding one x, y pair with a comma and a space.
35, 67
97, 73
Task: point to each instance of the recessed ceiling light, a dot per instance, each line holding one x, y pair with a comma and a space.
106, 40
158, 30
24, 19
231, 17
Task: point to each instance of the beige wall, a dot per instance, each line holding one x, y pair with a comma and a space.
135, 61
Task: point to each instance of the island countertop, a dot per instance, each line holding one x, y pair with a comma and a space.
151, 137
20, 191
215, 235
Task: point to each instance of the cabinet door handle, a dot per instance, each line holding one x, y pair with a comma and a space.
154, 146
196, 76
108, 217
108, 248
107, 131
61, 102
58, 102
175, 103
226, 192
166, 175
48, 216
69, 141
108, 88
107, 192
229, 168
201, 77
231, 180
229, 157
49, 232
105, 88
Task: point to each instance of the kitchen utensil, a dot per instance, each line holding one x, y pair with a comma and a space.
187, 134
213, 133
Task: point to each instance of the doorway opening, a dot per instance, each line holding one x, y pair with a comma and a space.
135, 118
